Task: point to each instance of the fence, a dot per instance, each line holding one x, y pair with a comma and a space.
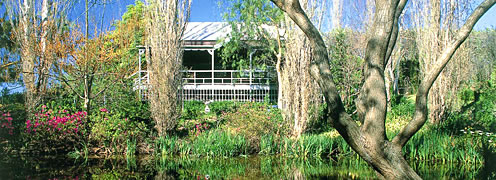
220, 85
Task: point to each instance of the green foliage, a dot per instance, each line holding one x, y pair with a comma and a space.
409, 67
346, 67
111, 132
166, 146
123, 100
215, 143
255, 120
6, 97
307, 146
318, 124
129, 33
246, 19
221, 107
437, 146
55, 129
478, 109
219, 143
192, 109
402, 110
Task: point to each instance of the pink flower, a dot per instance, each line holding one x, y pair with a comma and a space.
104, 110
43, 107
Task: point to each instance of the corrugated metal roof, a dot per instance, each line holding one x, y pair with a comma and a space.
206, 31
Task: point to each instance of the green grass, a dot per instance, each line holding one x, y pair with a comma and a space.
219, 143
433, 146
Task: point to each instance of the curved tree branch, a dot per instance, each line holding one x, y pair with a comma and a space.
320, 71
420, 116
394, 36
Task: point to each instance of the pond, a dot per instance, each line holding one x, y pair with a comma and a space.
255, 167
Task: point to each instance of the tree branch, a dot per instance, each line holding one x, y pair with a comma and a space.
320, 71
394, 36
420, 116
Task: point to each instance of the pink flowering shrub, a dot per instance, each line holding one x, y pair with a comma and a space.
200, 128
6, 127
55, 128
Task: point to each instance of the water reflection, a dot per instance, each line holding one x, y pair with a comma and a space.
148, 167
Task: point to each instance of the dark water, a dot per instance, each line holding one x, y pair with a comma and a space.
149, 167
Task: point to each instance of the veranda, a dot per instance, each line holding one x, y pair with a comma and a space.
205, 78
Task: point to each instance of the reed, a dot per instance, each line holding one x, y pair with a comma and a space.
433, 146
166, 145
130, 147
219, 143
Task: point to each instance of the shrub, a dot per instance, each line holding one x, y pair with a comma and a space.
123, 100
55, 129
221, 107
17, 112
192, 110
254, 120
110, 132
400, 114
6, 126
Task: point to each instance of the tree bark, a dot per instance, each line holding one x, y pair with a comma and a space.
369, 140
420, 115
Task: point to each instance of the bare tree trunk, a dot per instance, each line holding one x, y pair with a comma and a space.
337, 13
280, 84
28, 54
36, 24
369, 140
429, 17
167, 21
301, 94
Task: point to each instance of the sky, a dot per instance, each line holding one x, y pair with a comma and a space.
201, 11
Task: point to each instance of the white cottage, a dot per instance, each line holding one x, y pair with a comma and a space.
205, 78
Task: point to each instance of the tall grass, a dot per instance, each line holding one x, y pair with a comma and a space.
307, 146
214, 143
219, 143
131, 147
166, 146
433, 146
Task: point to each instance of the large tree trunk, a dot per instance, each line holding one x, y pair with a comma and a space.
337, 13
36, 24
300, 92
369, 140
279, 82
167, 22
28, 54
